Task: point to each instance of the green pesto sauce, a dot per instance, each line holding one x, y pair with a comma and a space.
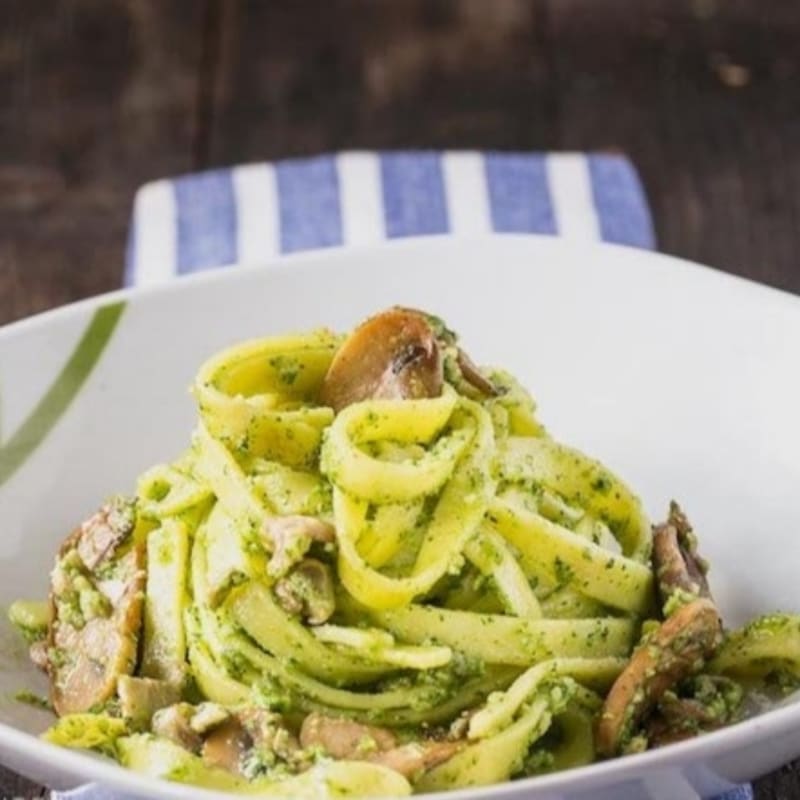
32, 699
287, 367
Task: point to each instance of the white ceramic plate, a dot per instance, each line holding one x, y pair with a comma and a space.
684, 380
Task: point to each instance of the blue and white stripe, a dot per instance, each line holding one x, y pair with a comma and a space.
249, 214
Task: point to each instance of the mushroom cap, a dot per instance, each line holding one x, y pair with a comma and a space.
394, 355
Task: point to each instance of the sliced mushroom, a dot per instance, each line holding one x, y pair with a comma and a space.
208, 716
674, 652
290, 537
402, 353
677, 720
97, 594
226, 745
394, 355
467, 371
308, 591
472, 374
416, 757
226, 738
680, 571
268, 733
344, 738
711, 702
105, 530
683, 711
174, 723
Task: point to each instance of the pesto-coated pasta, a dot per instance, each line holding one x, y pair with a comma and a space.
373, 572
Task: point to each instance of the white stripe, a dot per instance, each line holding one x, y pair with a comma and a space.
155, 226
257, 214
467, 197
571, 195
360, 197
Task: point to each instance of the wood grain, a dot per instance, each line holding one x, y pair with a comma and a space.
409, 74
99, 96
703, 104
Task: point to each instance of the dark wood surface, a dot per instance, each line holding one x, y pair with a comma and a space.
98, 96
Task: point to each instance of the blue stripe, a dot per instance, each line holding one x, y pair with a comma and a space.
743, 792
413, 194
620, 202
308, 203
519, 196
206, 219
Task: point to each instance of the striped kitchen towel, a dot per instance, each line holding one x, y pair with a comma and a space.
249, 214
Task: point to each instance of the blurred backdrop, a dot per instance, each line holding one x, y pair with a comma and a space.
98, 96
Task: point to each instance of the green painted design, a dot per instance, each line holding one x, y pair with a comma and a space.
62, 391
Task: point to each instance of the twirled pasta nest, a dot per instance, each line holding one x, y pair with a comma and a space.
374, 571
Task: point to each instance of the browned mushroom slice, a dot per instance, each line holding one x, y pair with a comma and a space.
174, 723
474, 377
416, 757
707, 702
268, 733
680, 571
394, 355
208, 716
470, 373
674, 652
344, 738
681, 718
290, 537
97, 609
226, 745
308, 591
105, 530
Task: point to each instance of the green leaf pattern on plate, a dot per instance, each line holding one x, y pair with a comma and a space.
62, 391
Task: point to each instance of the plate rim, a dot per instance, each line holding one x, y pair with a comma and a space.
282, 262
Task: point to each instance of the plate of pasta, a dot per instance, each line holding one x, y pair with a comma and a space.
504, 517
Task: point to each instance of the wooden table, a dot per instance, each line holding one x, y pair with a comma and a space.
98, 96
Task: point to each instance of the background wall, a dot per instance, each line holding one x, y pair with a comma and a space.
97, 96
